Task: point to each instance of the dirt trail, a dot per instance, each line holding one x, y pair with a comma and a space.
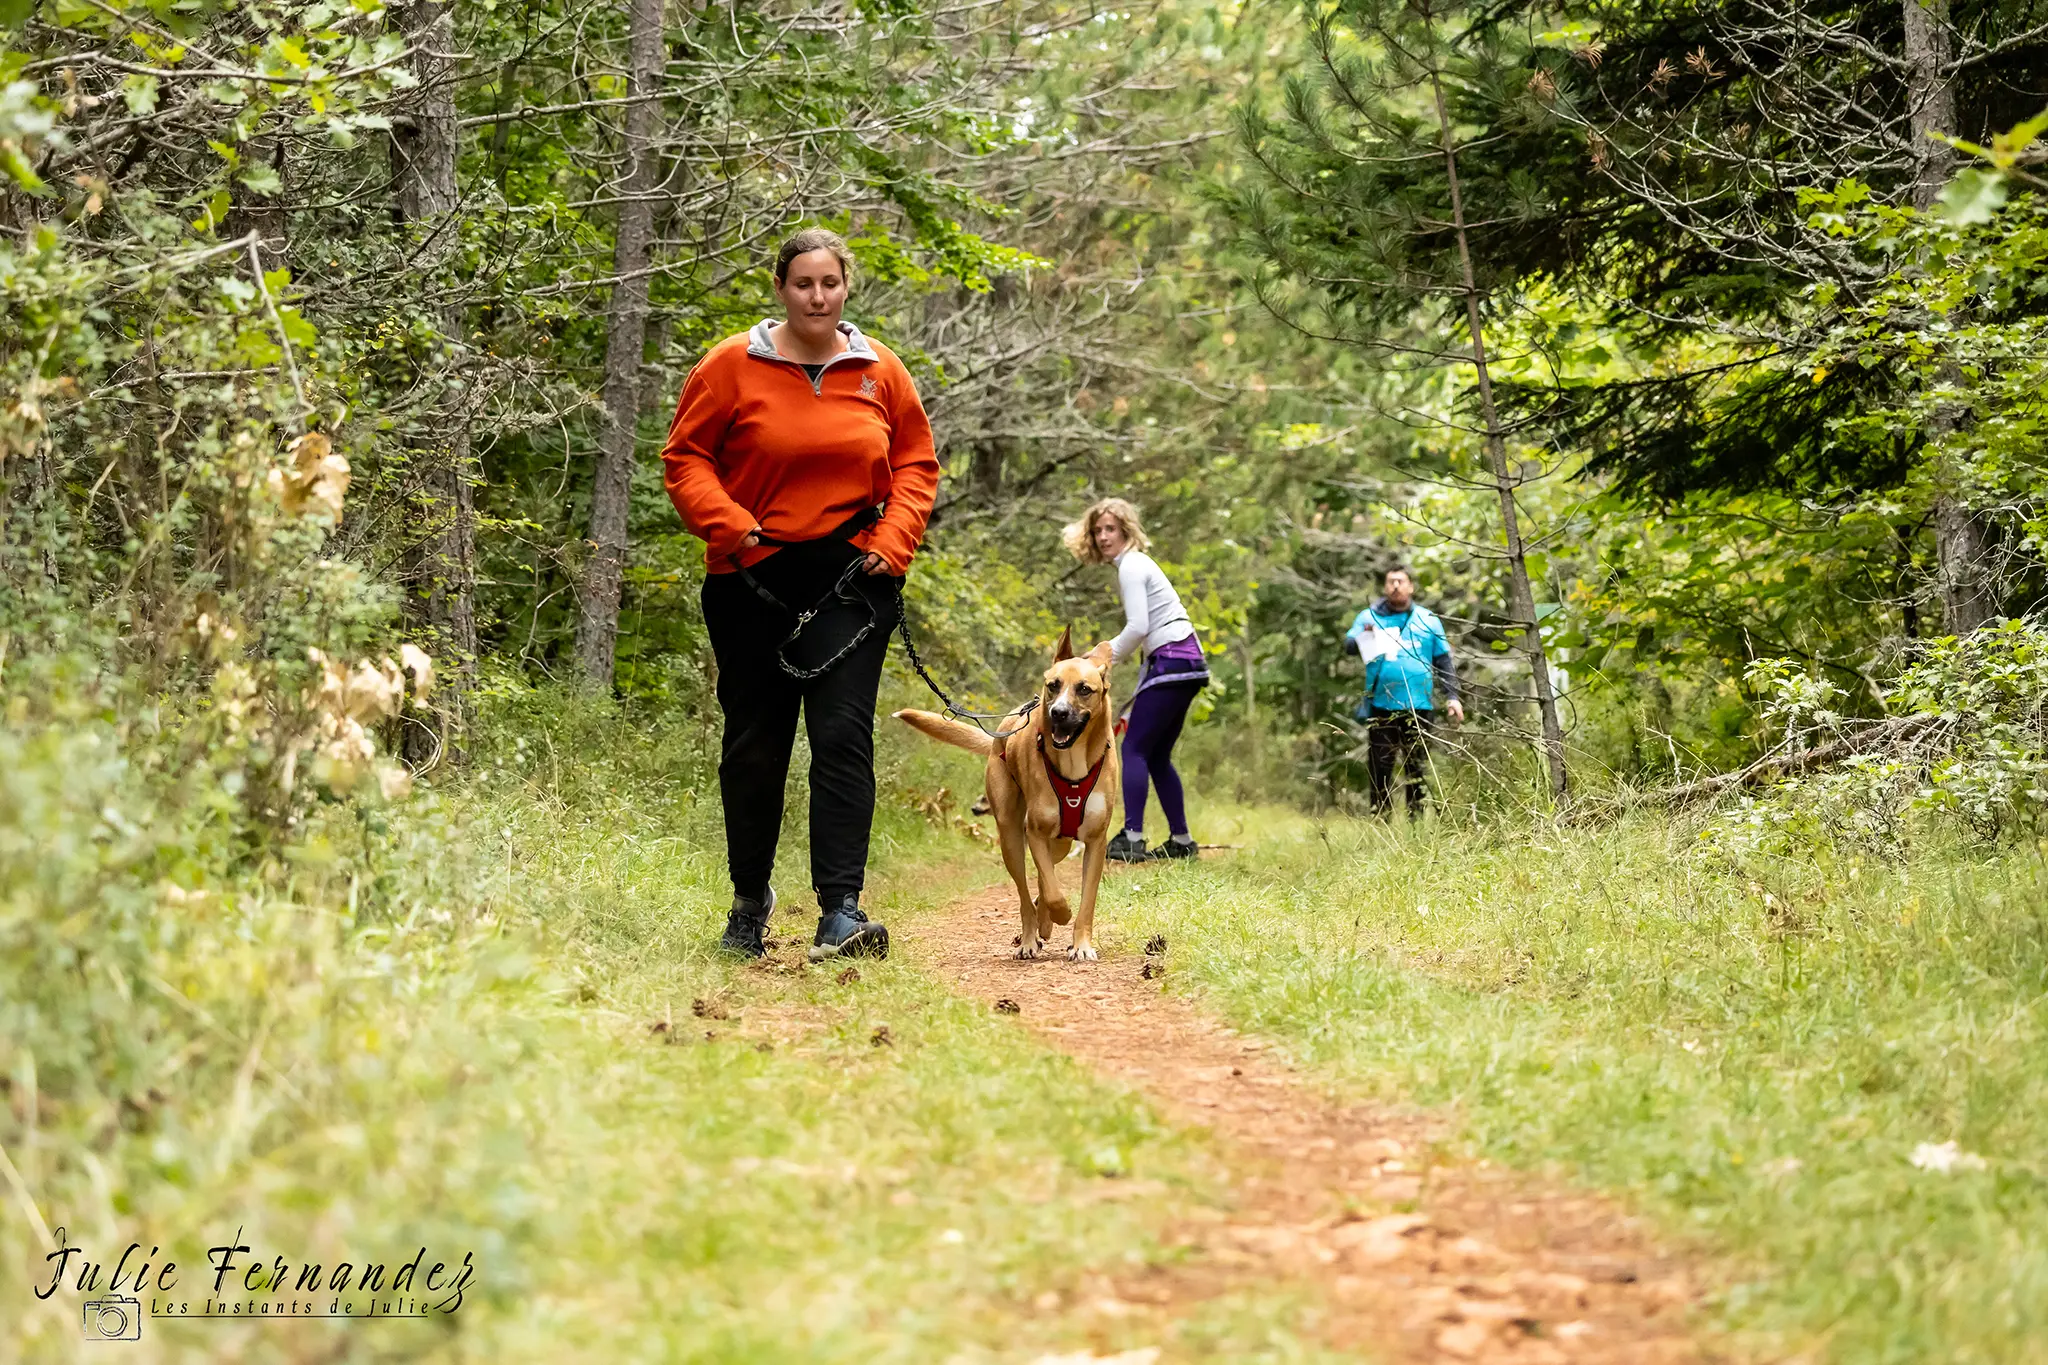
1418, 1258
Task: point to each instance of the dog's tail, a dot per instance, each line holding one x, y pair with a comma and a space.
948, 731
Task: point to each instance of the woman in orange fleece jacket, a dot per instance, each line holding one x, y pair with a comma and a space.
801, 455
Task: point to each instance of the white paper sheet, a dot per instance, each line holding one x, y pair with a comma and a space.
1374, 643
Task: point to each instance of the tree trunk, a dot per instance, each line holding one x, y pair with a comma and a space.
1251, 693
1962, 552
1930, 97
985, 474
1522, 598
597, 620
1962, 540
441, 570
1251, 677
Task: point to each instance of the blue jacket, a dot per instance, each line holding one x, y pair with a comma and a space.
1421, 657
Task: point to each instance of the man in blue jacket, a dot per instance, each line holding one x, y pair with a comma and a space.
1406, 659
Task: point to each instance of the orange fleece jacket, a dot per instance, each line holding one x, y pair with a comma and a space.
754, 444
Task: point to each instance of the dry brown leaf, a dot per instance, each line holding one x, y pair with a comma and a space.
420, 664
1464, 1340
1573, 1289
1376, 1241
1500, 1312
317, 480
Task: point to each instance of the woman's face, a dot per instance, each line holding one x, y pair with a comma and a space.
1109, 536
813, 292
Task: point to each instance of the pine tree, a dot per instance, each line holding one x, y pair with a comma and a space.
1700, 126
1372, 222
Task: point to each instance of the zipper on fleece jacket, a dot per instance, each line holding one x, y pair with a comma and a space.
857, 348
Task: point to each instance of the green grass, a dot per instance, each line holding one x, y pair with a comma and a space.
433, 1026
1613, 1004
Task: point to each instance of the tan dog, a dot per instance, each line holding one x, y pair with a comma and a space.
1052, 779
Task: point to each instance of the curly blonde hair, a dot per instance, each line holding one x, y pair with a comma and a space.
1080, 535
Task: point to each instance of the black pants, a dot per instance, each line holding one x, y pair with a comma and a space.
761, 702
1396, 737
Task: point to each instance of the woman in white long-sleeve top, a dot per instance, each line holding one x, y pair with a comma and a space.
1155, 621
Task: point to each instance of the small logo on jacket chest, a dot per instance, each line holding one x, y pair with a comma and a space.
868, 387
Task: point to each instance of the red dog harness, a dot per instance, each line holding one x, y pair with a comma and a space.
1073, 795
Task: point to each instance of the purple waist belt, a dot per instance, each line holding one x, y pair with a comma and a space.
1176, 665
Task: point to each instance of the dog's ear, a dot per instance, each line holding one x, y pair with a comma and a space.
1064, 650
1102, 654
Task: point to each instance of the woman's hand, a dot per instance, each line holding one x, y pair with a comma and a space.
1457, 710
871, 564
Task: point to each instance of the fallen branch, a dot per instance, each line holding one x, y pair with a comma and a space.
1782, 763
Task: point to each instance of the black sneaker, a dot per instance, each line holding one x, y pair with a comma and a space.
1178, 847
843, 931
1124, 849
746, 923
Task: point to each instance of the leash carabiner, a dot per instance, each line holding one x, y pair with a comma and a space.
840, 593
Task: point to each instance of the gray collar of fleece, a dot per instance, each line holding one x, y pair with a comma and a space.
857, 346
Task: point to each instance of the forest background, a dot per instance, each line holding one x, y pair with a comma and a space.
1762, 383
1690, 351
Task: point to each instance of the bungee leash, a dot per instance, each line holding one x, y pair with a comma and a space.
843, 591
1022, 713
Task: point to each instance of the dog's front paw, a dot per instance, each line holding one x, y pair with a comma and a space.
1081, 952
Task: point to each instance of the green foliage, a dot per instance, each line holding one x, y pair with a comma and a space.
1957, 325
1348, 226
434, 1024
1970, 751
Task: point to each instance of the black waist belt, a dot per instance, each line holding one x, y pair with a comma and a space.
845, 530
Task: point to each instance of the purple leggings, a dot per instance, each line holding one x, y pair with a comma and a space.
1156, 717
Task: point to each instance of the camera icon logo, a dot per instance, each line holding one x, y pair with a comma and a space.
113, 1319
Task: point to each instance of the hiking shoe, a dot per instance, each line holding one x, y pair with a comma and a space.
1177, 847
1124, 849
746, 923
843, 931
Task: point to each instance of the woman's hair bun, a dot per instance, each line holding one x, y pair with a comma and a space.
813, 239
